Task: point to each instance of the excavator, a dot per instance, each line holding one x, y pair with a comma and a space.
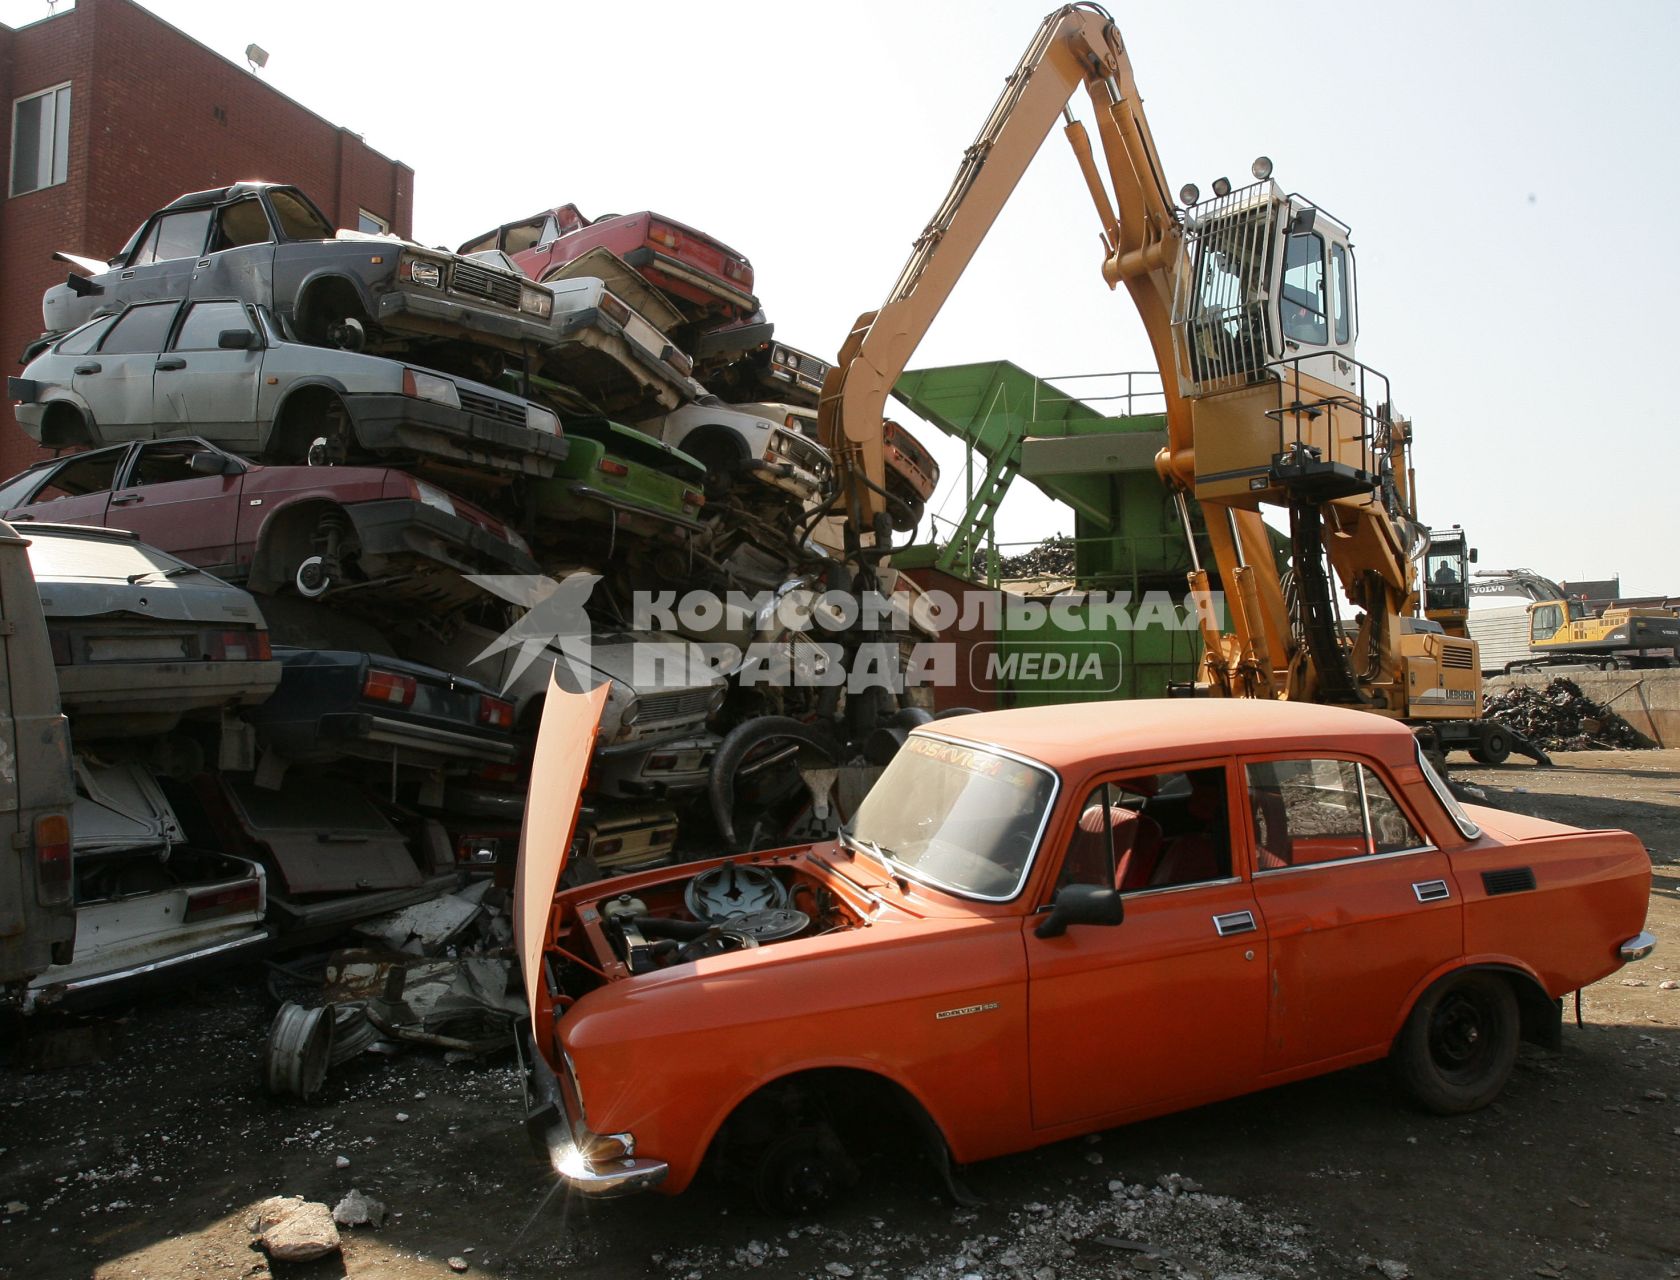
1247, 298
1561, 630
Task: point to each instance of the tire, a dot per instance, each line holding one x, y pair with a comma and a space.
1456, 1051
1493, 747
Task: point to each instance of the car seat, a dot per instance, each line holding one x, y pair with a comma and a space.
1273, 845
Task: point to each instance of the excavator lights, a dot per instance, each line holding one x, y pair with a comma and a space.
1188, 194
1221, 187
1261, 168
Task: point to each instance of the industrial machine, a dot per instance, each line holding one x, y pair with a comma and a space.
1446, 580
1562, 631
1248, 301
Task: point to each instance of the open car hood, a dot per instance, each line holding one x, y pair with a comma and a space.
565, 742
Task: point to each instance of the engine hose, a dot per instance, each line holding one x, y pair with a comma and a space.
666, 927
732, 753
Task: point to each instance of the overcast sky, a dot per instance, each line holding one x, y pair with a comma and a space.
1505, 168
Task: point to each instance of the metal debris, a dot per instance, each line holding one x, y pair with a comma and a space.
1560, 717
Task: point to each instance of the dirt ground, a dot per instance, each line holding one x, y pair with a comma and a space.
142, 1153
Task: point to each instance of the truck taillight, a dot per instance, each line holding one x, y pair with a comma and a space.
497, 713
388, 687
239, 646
52, 859
222, 900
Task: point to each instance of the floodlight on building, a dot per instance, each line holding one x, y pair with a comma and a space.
257, 56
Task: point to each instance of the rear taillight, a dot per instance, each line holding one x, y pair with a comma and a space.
606, 848
238, 646
738, 271
493, 773
223, 900
664, 835
659, 233
613, 468
615, 308
693, 499
497, 713
388, 687
677, 360
52, 859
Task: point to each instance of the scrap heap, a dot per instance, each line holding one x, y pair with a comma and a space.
1562, 718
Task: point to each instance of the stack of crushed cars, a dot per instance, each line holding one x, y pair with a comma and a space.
415, 484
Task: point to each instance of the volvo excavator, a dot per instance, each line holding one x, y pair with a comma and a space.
1562, 632
1247, 297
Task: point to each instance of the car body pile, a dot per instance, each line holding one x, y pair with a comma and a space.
328, 511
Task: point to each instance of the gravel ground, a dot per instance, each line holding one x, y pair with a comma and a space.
136, 1145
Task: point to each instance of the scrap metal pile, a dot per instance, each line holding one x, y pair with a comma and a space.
1052, 558
1560, 717
392, 490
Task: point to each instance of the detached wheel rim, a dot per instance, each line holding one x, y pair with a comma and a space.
1463, 1037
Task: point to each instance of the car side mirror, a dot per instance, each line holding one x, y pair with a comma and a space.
238, 340
209, 464
1081, 904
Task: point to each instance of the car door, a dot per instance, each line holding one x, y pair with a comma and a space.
76, 490
1169, 1006
163, 263
163, 500
203, 387
115, 381
1359, 907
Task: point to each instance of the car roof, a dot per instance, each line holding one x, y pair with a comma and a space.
220, 195
1150, 729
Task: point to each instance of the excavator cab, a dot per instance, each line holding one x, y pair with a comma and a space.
1267, 281
1446, 580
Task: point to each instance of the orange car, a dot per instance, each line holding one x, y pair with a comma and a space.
1049, 921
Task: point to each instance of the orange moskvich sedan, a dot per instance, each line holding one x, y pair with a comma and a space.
1044, 922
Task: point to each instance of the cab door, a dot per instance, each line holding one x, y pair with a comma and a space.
1168, 1007
1358, 907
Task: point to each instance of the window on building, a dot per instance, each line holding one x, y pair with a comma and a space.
41, 140
371, 224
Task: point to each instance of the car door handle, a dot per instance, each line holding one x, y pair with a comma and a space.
92, 366
1431, 890
1234, 922
125, 499
170, 362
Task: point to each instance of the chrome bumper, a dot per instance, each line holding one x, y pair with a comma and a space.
551, 1126
1637, 947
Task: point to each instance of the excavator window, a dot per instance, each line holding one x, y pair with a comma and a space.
1303, 290
1341, 298
1546, 620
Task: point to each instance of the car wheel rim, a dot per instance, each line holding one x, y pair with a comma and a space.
1461, 1037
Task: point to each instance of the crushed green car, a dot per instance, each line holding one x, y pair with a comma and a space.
618, 477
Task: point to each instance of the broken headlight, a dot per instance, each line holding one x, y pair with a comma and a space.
536, 301
430, 386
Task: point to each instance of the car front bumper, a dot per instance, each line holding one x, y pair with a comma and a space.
400, 527
552, 1124
448, 316
391, 423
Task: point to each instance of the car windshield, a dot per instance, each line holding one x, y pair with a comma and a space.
956, 816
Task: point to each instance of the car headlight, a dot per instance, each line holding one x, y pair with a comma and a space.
539, 419
432, 496
514, 540
538, 302
632, 710
719, 693
422, 271
430, 386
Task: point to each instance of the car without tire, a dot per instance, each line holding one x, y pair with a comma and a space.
223, 369
315, 531
1103, 912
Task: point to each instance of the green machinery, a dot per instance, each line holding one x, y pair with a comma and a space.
1128, 535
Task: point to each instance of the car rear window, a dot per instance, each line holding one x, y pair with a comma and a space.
57, 557
142, 329
85, 339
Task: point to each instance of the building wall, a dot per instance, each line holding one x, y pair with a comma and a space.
153, 114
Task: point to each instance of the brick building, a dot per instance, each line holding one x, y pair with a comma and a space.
115, 113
